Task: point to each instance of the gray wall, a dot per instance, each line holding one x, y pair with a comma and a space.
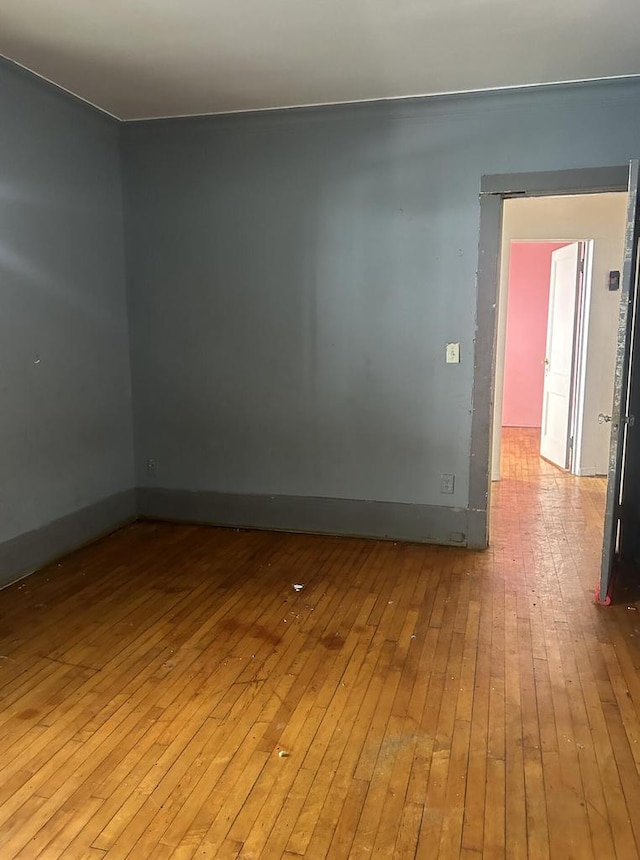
65, 389
294, 277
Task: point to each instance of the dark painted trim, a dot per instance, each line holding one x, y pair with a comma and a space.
477, 529
483, 369
28, 552
584, 180
493, 190
353, 517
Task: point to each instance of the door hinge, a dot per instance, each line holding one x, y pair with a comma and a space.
582, 265
571, 443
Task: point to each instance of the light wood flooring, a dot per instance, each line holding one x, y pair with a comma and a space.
168, 693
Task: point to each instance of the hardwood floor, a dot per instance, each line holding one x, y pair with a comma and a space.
168, 693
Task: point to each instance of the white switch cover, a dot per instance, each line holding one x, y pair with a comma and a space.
453, 353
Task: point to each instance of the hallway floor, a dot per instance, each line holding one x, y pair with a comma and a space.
168, 693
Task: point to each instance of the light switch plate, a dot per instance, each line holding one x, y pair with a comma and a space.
453, 353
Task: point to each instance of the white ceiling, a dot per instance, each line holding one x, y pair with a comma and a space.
151, 58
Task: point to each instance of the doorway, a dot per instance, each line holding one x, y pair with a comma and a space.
621, 545
544, 381
542, 254
496, 193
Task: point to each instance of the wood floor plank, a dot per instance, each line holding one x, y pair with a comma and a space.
473, 825
515, 791
537, 826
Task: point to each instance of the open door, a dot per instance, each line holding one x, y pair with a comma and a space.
622, 513
566, 268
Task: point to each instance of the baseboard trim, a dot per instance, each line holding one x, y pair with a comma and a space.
587, 472
22, 555
349, 517
32, 550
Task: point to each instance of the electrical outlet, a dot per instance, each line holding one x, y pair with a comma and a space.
151, 466
447, 483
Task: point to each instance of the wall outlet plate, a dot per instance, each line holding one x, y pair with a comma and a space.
447, 483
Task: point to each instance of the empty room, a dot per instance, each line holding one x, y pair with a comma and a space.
291, 563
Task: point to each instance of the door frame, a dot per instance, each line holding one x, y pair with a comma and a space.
494, 189
581, 340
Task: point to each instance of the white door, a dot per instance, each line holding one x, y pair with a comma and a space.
558, 373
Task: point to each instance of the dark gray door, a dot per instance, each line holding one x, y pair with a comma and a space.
621, 542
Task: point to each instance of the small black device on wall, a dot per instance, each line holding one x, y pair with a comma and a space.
614, 281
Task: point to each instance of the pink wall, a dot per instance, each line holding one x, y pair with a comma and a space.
527, 309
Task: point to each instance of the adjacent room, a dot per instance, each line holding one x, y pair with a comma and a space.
302, 554
530, 404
